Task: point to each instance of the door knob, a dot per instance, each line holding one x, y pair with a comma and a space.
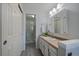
4, 43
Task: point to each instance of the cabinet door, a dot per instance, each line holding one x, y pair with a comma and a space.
52, 51
42, 46
46, 49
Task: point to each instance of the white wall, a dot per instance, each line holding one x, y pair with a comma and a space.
23, 31
41, 19
0, 29
73, 24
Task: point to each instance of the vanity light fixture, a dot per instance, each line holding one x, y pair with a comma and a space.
57, 9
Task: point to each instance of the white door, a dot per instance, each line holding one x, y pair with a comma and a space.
11, 30
5, 13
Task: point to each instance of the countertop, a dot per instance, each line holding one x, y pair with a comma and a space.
52, 41
64, 36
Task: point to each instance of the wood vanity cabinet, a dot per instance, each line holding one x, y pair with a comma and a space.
46, 49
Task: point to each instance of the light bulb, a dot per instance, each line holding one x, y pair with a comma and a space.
59, 5
33, 16
54, 10
50, 12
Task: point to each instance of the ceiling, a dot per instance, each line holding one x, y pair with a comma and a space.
38, 7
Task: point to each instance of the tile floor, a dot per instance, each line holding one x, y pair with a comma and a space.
31, 51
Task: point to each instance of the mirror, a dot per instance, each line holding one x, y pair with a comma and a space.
60, 22
57, 25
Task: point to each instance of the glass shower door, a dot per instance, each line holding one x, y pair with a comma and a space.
30, 29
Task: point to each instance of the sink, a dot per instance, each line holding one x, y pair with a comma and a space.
52, 38
49, 38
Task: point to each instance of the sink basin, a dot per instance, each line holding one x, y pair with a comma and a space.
50, 38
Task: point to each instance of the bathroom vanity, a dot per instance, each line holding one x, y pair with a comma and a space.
56, 45
48, 46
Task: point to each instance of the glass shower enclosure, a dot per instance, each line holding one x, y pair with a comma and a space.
30, 28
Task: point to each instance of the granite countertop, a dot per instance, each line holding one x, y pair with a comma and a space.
54, 38
64, 36
52, 41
